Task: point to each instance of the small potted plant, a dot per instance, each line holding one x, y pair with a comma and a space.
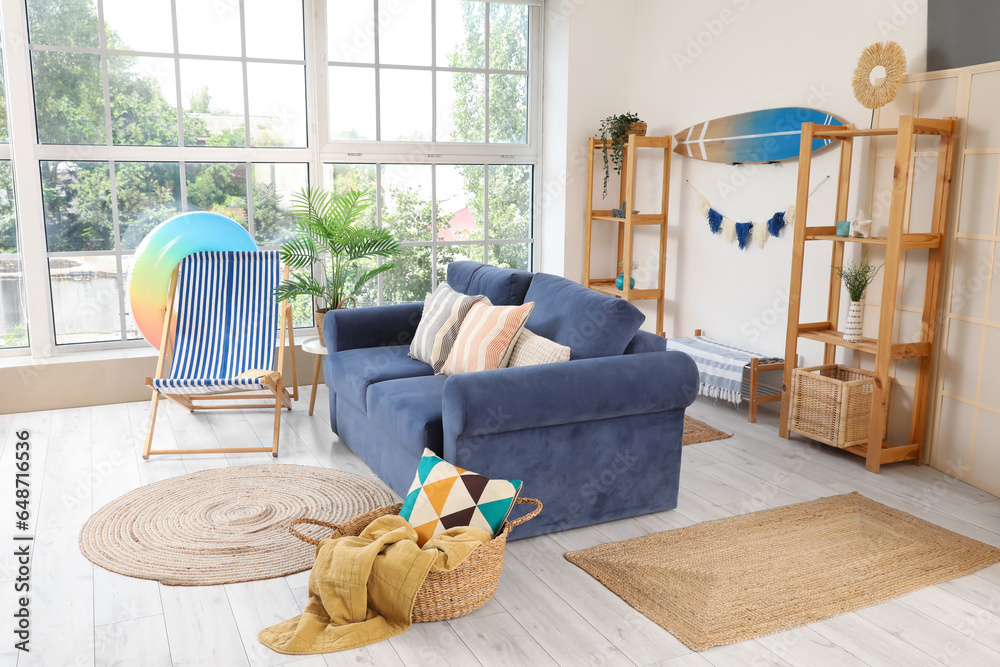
328, 232
617, 129
857, 278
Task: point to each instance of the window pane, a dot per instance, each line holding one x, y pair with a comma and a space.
510, 256
143, 101
350, 31
510, 201
508, 36
274, 29
446, 254
461, 106
77, 201
340, 178
404, 32
411, 279
13, 317
212, 91
220, 187
85, 303
406, 201
405, 105
277, 104
69, 97
352, 103
273, 187
131, 328
210, 29
148, 194
461, 30
508, 108
63, 22
139, 26
460, 202
4, 136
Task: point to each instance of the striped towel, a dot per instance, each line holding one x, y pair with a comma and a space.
719, 365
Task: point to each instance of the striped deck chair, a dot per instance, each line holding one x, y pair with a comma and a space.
221, 340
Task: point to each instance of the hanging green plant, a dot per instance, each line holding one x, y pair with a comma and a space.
616, 130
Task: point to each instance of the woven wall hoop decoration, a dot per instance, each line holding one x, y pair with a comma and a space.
888, 55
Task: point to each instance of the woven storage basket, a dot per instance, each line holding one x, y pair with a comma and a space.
444, 595
832, 404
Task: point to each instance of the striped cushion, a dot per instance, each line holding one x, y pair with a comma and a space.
486, 338
443, 313
532, 349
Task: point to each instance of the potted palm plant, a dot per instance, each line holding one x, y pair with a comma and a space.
328, 233
617, 129
857, 278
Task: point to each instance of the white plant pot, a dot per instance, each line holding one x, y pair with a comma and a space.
852, 328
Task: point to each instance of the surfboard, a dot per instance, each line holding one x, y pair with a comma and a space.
768, 135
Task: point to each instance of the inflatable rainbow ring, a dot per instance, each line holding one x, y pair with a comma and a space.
163, 249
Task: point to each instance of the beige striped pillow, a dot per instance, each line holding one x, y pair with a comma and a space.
486, 338
532, 349
443, 313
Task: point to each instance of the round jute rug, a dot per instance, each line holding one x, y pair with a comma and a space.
225, 525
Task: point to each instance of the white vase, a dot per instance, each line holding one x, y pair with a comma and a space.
852, 328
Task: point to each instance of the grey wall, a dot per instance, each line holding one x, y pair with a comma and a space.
962, 33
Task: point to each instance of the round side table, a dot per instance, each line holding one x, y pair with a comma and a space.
312, 346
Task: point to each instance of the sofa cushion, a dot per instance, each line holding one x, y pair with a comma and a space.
590, 323
444, 311
355, 370
503, 287
487, 336
409, 410
533, 350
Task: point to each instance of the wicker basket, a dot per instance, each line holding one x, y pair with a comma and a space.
444, 595
832, 404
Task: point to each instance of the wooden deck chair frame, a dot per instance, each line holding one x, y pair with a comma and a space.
277, 391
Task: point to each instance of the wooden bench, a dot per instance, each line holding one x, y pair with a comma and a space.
751, 388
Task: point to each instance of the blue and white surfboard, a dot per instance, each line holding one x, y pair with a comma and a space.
768, 135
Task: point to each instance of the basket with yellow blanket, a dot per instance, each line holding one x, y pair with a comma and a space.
436, 556
453, 593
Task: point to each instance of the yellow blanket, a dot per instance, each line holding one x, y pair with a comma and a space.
362, 589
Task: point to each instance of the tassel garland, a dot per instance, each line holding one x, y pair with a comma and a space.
743, 232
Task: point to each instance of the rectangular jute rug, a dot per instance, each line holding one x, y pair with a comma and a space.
728, 580
696, 431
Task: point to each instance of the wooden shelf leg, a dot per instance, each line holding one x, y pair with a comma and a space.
795, 283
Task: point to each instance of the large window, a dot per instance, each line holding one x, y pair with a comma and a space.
142, 110
453, 74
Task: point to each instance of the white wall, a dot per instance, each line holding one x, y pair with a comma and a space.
752, 55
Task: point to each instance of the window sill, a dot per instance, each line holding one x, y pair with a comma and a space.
78, 356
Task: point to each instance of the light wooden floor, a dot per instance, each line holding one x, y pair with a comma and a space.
546, 611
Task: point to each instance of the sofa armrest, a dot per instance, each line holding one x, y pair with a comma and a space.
513, 399
352, 328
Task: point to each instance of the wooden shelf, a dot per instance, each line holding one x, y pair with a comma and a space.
868, 345
888, 453
608, 287
882, 348
624, 246
908, 241
637, 218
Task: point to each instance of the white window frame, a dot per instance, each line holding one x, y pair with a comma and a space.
26, 153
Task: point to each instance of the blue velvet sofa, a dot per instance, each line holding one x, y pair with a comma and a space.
596, 438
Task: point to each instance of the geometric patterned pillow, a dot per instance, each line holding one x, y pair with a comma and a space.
442, 316
444, 496
532, 350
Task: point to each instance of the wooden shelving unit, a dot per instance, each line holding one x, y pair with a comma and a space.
629, 222
896, 242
